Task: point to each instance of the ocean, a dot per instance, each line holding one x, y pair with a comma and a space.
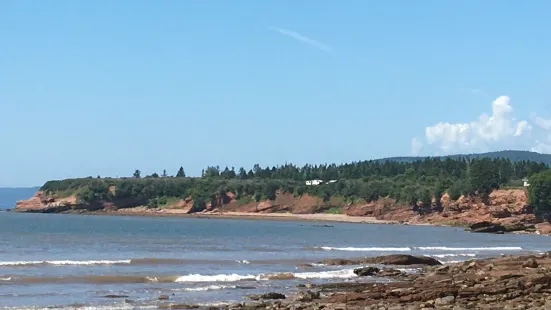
127, 262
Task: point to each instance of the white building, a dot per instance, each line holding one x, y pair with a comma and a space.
314, 182
525, 180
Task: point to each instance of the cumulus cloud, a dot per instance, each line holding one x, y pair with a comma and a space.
499, 130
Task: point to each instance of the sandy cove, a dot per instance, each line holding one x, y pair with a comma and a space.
319, 217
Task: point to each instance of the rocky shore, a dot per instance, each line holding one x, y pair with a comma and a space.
506, 282
507, 211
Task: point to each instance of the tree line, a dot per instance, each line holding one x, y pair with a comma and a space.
406, 182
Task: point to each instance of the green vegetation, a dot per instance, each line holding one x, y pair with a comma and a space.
540, 192
407, 182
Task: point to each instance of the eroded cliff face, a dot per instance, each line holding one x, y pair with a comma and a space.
505, 206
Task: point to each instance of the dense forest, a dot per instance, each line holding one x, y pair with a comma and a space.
405, 181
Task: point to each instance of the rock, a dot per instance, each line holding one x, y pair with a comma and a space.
499, 214
163, 297
487, 227
116, 296
389, 272
271, 295
177, 306
307, 296
366, 271
531, 263
338, 262
516, 227
444, 301
402, 259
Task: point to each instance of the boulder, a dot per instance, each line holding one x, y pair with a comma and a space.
366, 271
487, 227
307, 296
402, 260
504, 213
338, 262
531, 263
163, 297
271, 295
177, 306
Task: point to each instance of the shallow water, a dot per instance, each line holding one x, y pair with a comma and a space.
69, 260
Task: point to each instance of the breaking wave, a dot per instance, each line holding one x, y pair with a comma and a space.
191, 278
443, 248
454, 255
65, 262
423, 248
374, 249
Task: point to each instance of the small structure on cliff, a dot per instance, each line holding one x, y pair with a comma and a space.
525, 182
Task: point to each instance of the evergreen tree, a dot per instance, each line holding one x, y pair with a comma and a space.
181, 173
137, 174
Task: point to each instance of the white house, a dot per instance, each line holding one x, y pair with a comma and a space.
314, 182
331, 181
525, 180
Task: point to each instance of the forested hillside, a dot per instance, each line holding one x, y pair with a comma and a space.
406, 182
511, 155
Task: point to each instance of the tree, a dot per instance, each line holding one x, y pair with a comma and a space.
484, 176
154, 175
137, 174
438, 191
270, 190
181, 173
426, 198
164, 175
539, 192
455, 190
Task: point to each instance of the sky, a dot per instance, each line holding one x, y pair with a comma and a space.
104, 87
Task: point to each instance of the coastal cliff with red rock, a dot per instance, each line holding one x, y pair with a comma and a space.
504, 208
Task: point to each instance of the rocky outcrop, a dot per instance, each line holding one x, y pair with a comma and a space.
507, 282
402, 260
393, 259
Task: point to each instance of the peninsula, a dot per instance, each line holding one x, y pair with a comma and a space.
505, 188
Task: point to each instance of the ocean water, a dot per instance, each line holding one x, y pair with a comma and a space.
76, 261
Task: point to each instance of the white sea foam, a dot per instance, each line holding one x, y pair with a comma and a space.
454, 255
443, 248
65, 262
245, 262
5, 279
334, 274
370, 249
208, 288
215, 278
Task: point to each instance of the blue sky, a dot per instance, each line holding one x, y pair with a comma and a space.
106, 87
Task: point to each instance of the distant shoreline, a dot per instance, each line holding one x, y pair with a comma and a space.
316, 217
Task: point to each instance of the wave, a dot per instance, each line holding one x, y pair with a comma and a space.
443, 248
215, 278
454, 255
245, 262
65, 262
191, 278
207, 288
374, 249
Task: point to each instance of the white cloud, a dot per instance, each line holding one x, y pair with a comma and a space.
499, 130
542, 122
302, 38
416, 146
522, 127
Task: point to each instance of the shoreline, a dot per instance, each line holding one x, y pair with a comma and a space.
312, 217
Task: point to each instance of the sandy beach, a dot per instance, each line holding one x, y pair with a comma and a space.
317, 217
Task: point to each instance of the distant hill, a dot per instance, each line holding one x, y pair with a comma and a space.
511, 155
9, 196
